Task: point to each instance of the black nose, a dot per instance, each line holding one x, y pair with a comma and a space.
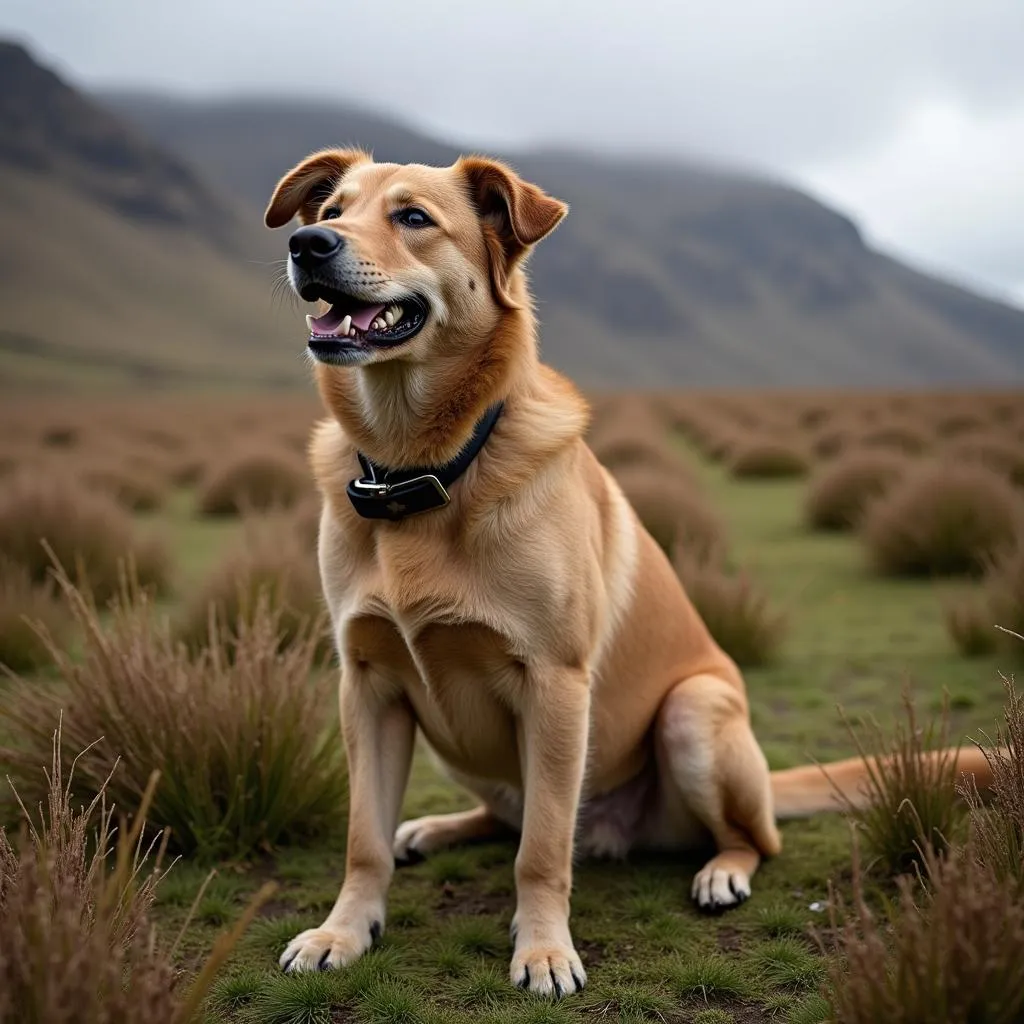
310, 246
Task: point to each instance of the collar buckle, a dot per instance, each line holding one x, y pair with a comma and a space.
381, 493
398, 500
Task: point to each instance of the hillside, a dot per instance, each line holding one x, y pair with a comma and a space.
122, 266
663, 273
137, 256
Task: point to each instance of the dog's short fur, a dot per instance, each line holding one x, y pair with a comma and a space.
532, 630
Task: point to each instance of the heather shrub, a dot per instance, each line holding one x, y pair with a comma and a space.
947, 954
957, 423
187, 469
840, 491
765, 458
998, 452
86, 532
832, 440
737, 614
270, 564
254, 480
243, 732
673, 513
1004, 594
25, 605
896, 436
625, 451
77, 941
910, 802
998, 822
941, 520
133, 489
970, 627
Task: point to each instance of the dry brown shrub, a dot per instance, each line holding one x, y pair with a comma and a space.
1004, 593
992, 449
77, 940
24, 606
242, 731
840, 491
736, 612
833, 439
767, 458
271, 564
87, 533
959, 422
896, 436
950, 954
254, 480
998, 819
911, 779
971, 628
133, 488
673, 512
187, 469
948, 951
941, 519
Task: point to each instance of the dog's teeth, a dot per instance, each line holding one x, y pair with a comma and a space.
345, 325
379, 324
398, 312
351, 332
389, 316
309, 323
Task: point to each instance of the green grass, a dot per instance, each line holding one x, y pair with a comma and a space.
854, 639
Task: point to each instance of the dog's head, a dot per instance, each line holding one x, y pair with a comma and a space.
412, 260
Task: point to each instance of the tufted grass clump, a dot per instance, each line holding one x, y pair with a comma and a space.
242, 731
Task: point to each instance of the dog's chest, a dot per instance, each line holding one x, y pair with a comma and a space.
459, 679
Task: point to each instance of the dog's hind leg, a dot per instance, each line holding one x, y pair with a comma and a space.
420, 837
710, 768
499, 814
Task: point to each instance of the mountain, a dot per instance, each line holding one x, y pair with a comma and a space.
136, 255
664, 273
121, 264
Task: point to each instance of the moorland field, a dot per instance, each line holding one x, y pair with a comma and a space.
847, 548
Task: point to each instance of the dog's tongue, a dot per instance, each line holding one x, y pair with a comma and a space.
330, 321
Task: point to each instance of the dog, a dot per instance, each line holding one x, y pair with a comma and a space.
488, 583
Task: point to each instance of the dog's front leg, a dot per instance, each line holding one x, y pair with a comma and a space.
553, 727
379, 734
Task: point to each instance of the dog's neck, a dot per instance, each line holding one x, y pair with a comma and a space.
404, 414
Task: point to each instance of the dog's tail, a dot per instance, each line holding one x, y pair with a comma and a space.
811, 789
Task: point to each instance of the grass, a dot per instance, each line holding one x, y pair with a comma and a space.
249, 755
852, 637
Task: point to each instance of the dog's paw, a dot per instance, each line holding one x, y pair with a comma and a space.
553, 970
322, 949
715, 889
420, 837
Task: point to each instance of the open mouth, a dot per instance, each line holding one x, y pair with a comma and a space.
352, 324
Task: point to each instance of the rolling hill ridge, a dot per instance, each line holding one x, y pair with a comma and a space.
140, 258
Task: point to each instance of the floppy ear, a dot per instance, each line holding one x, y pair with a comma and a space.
304, 188
515, 216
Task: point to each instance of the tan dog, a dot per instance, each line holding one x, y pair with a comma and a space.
530, 627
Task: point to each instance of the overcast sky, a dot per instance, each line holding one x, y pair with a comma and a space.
907, 114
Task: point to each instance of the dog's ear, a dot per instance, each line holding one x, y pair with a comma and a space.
304, 188
515, 216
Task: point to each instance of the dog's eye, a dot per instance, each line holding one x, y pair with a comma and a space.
413, 217
331, 213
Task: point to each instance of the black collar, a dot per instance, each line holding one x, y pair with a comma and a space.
394, 494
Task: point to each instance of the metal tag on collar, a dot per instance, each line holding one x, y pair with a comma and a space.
395, 501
